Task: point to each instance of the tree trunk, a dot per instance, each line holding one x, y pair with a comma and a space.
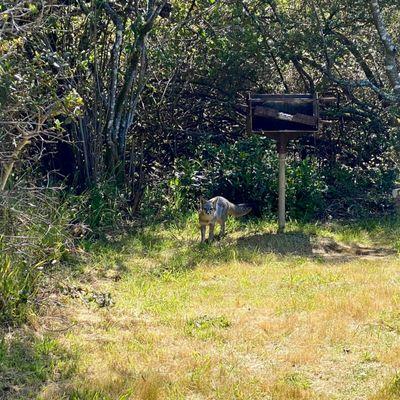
392, 70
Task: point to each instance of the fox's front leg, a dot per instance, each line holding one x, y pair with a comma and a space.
211, 234
203, 233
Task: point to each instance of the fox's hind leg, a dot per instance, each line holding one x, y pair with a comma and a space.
222, 234
221, 215
211, 234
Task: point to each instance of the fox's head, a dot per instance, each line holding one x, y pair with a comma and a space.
206, 206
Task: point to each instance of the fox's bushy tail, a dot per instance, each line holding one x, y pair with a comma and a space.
238, 210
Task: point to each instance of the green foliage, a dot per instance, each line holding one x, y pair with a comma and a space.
18, 287
358, 192
245, 171
100, 207
306, 188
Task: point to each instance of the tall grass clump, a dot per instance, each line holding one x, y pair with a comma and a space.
18, 288
35, 237
100, 208
40, 230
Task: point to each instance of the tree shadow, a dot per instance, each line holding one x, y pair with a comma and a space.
168, 253
190, 254
293, 243
330, 250
298, 243
28, 362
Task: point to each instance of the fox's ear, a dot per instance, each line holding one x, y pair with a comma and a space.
201, 201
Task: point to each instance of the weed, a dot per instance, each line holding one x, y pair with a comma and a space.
205, 326
390, 391
18, 286
297, 380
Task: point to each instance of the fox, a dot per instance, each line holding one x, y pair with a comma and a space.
216, 210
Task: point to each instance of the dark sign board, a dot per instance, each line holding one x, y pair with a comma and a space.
294, 114
283, 117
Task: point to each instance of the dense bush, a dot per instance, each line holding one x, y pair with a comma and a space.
247, 171
357, 193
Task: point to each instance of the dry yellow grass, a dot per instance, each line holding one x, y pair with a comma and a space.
229, 321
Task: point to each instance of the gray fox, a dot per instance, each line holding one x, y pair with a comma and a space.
216, 210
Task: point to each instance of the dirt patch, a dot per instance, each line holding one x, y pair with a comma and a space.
330, 249
298, 243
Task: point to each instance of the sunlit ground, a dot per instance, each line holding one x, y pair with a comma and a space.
313, 314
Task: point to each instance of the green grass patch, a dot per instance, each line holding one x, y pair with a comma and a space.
18, 287
253, 315
205, 326
390, 391
28, 362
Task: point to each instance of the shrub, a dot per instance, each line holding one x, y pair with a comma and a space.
100, 207
35, 235
18, 287
247, 171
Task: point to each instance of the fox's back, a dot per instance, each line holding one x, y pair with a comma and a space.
224, 207
221, 202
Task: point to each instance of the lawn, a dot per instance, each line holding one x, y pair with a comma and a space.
312, 314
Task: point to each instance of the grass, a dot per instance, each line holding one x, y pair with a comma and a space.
18, 289
27, 362
312, 314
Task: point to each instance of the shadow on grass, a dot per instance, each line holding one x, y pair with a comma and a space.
159, 251
187, 255
293, 243
28, 363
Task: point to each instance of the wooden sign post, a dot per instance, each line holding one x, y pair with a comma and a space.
282, 148
283, 117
